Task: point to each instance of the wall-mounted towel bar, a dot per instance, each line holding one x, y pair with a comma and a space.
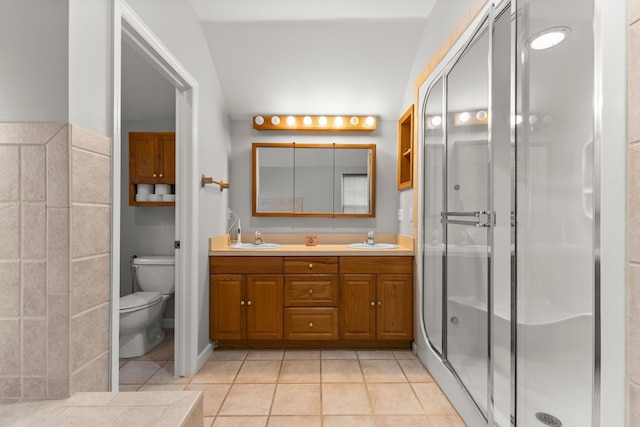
206, 180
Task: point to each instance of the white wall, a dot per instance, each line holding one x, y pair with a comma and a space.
175, 23
443, 19
34, 46
386, 180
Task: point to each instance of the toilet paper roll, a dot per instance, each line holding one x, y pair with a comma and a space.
144, 188
155, 197
163, 189
142, 197
168, 197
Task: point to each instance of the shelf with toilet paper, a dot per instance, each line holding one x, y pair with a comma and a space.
154, 195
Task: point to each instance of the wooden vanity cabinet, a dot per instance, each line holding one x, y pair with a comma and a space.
245, 298
377, 305
311, 298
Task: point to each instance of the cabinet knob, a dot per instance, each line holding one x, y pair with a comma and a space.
249, 302
373, 304
242, 303
310, 324
154, 175
310, 265
310, 291
160, 175
379, 303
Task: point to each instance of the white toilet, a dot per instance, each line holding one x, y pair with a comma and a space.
141, 312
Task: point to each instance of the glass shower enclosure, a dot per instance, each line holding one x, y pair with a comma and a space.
507, 248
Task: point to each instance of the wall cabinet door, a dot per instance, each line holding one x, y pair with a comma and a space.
394, 313
227, 307
167, 160
264, 307
152, 158
357, 306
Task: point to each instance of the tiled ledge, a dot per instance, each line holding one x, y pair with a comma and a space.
157, 408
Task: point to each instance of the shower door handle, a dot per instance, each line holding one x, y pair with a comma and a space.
482, 218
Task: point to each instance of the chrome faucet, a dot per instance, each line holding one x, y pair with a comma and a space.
370, 240
258, 239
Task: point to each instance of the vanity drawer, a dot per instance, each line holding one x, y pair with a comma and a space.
313, 265
304, 290
245, 265
311, 323
376, 265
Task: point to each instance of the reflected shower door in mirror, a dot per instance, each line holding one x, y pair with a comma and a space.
314, 180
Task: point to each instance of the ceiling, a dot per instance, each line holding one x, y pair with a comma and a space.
303, 57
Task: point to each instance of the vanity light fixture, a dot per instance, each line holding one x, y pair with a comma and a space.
549, 38
316, 123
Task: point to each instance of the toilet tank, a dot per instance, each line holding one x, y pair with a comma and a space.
155, 273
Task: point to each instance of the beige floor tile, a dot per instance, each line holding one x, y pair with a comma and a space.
240, 422
382, 371
341, 371
300, 371
415, 371
248, 399
446, 421
162, 387
123, 362
301, 354
212, 396
259, 372
404, 354
165, 376
345, 398
138, 371
265, 355
349, 421
375, 354
129, 387
297, 399
217, 372
388, 399
207, 421
228, 355
338, 354
402, 420
295, 421
433, 400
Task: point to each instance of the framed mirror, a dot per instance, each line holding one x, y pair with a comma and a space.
313, 180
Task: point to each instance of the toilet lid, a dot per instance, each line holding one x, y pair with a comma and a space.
138, 301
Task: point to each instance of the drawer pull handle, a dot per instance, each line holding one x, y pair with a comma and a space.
373, 304
310, 324
310, 291
310, 265
248, 302
241, 302
160, 175
154, 175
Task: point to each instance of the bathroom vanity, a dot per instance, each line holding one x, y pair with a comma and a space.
312, 297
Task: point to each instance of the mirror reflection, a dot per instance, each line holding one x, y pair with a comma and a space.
320, 180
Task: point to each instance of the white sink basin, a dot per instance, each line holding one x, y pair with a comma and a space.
254, 246
374, 246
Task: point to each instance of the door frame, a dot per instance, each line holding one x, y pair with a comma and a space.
128, 26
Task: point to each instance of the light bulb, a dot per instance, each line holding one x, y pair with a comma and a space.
338, 121
291, 120
259, 120
481, 115
306, 120
436, 120
322, 120
464, 117
275, 120
549, 38
354, 121
369, 121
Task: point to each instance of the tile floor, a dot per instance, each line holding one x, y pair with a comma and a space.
302, 388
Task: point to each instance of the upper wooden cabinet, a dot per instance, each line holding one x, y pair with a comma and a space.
405, 150
152, 160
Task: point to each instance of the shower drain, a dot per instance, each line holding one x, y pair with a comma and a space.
548, 419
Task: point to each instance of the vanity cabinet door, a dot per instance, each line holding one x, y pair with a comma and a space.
357, 306
394, 314
264, 307
227, 304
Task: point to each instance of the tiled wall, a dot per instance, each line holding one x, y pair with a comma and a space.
633, 209
54, 260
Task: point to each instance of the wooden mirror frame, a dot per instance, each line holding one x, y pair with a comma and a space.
371, 174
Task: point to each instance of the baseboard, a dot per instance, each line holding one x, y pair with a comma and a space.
204, 355
168, 323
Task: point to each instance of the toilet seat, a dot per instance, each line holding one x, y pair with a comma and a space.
139, 301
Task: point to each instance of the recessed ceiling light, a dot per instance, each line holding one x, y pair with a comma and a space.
549, 38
